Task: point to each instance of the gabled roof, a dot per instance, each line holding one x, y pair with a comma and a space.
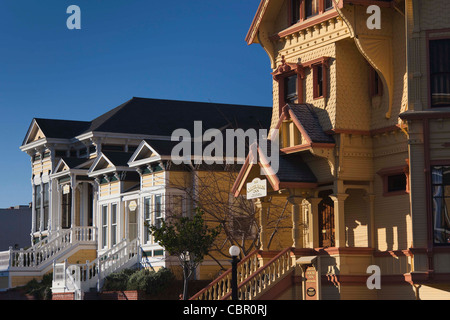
306, 119
110, 161
159, 117
307, 122
292, 171
70, 163
162, 117
54, 128
151, 150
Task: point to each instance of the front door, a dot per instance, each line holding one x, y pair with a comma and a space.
326, 220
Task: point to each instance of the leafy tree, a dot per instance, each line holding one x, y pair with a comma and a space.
187, 238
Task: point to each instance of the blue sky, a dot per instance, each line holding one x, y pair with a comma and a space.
181, 50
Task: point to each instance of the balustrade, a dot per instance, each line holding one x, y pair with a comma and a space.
47, 249
85, 276
253, 278
221, 286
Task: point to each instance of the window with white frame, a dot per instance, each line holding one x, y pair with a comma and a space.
37, 206
45, 203
158, 211
147, 219
104, 226
113, 224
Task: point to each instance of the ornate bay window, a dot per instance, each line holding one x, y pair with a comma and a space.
290, 78
290, 82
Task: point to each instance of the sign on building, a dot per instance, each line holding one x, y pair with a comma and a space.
256, 189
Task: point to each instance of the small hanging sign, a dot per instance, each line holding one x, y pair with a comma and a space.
256, 189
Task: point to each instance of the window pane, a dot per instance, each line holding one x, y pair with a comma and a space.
290, 89
328, 4
441, 205
311, 7
148, 219
440, 72
66, 210
397, 183
37, 206
158, 211
104, 226
132, 227
113, 224
295, 11
320, 81
46, 204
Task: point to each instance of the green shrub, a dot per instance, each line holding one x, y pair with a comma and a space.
40, 290
150, 282
118, 281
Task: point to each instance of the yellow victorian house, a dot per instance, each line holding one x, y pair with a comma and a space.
360, 103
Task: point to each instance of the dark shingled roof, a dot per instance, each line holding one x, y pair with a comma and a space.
161, 117
292, 168
119, 159
65, 129
308, 118
163, 147
74, 162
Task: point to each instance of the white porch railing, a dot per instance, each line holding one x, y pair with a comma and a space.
36, 255
79, 278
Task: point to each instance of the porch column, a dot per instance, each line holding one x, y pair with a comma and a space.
59, 210
314, 222
339, 218
33, 211
73, 187
41, 213
297, 221
371, 218
263, 209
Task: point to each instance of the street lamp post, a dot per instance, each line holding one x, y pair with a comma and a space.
234, 252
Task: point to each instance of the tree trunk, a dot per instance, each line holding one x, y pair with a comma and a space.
186, 282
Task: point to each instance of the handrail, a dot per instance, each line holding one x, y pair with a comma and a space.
259, 280
92, 273
37, 254
222, 285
